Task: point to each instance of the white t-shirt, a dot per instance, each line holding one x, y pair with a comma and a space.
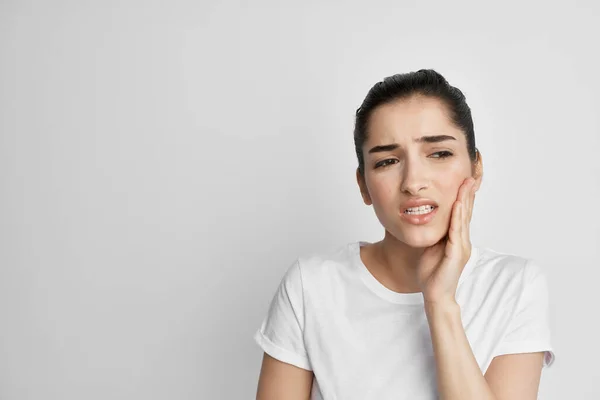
364, 341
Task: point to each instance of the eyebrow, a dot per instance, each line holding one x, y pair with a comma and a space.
422, 139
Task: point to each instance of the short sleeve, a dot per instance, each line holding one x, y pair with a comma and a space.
281, 332
529, 327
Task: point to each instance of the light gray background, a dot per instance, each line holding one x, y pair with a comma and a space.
163, 163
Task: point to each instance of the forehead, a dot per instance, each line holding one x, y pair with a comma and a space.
406, 119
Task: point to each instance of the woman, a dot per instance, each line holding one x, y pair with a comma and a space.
421, 314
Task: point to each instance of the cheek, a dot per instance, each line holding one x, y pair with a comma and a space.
382, 190
450, 184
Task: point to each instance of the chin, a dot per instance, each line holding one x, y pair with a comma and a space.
420, 236
422, 239
420, 243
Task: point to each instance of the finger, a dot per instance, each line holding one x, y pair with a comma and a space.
465, 197
454, 236
471, 196
464, 191
462, 236
467, 228
465, 210
466, 219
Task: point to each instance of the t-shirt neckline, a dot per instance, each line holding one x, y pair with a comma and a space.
387, 294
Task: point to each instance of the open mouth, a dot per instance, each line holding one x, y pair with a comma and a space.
422, 210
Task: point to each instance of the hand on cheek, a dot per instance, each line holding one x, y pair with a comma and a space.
442, 263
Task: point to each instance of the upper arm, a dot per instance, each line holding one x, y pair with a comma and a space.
282, 381
515, 376
286, 372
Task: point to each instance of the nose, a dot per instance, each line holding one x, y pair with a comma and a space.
414, 177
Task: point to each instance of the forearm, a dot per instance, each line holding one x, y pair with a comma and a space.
458, 374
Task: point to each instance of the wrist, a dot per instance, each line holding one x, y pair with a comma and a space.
443, 307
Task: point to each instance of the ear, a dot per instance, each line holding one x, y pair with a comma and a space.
477, 169
362, 185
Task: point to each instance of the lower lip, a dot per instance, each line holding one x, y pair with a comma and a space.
419, 219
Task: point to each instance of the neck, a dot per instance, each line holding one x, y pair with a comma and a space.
400, 262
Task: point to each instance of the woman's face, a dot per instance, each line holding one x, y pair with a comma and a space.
430, 169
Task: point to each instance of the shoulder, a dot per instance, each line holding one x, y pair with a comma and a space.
493, 264
328, 261
503, 273
321, 267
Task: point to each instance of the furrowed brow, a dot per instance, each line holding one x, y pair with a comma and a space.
434, 139
422, 139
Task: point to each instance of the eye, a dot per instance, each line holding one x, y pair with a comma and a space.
384, 163
443, 154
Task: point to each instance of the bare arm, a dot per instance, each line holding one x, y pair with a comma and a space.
282, 381
509, 377
514, 377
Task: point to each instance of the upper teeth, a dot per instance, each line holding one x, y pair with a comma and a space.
419, 210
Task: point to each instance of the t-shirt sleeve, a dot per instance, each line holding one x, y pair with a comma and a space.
281, 332
529, 327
